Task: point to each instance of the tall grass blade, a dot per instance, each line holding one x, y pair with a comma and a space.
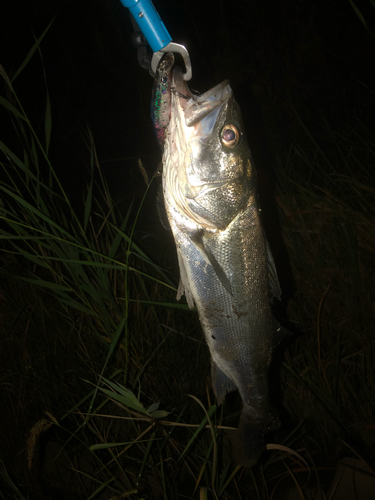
10, 107
113, 346
202, 425
31, 52
360, 16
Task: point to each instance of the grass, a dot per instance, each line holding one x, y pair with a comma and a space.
107, 378
327, 221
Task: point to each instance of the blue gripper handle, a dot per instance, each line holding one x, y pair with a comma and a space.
149, 23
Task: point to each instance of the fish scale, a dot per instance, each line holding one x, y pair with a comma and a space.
226, 267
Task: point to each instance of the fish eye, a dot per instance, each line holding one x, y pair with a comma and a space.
230, 136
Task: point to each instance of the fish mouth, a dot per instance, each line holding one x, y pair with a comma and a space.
193, 121
198, 107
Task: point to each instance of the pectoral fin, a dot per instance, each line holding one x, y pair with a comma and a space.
210, 259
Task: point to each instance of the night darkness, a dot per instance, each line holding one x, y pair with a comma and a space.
294, 66
317, 56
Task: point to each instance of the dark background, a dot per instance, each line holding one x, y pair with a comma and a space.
314, 56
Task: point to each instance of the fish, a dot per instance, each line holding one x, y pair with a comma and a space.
226, 266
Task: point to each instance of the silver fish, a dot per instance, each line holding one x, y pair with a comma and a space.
226, 267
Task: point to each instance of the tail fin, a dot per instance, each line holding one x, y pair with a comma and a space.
251, 436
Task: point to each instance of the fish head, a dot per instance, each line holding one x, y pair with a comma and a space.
207, 162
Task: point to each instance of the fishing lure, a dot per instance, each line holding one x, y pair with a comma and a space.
161, 97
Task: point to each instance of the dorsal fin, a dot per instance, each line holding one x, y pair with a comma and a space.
273, 280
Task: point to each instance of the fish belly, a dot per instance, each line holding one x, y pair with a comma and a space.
238, 324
